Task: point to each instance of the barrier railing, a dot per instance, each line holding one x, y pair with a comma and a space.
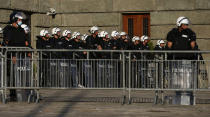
34, 69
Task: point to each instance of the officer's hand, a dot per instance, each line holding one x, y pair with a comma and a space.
14, 60
29, 54
192, 44
84, 52
169, 44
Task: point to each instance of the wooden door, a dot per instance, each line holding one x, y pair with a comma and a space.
136, 25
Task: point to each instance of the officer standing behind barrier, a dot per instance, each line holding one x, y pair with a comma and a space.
14, 36
93, 39
183, 72
159, 64
137, 74
105, 44
136, 45
125, 41
115, 43
58, 43
181, 38
67, 43
74, 66
160, 45
44, 42
102, 71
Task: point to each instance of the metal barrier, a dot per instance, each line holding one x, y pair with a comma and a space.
33, 70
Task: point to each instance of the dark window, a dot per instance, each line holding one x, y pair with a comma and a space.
130, 27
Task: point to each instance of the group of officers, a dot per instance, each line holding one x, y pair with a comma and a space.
179, 38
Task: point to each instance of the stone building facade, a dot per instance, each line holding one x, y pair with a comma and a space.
80, 15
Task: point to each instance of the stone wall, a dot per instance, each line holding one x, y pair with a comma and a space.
80, 15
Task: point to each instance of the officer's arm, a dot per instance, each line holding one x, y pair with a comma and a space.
170, 38
193, 40
6, 37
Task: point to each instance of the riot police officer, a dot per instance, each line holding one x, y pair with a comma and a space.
104, 44
160, 45
56, 39
66, 36
181, 38
145, 42
93, 39
15, 36
125, 42
43, 40
57, 42
77, 44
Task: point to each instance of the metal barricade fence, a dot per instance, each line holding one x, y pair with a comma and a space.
82, 73
34, 70
2, 75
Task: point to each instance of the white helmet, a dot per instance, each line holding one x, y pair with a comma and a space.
84, 37
44, 32
94, 29
144, 37
75, 34
66, 32
135, 38
103, 34
115, 33
18, 15
182, 20
55, 30
25, 27
123, 33
160, 42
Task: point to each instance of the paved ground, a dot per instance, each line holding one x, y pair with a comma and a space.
57, 104
92, 109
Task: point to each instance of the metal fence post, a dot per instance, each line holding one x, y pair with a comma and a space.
5, 79
88, 55
129, 79
156, 77
3, 75
195, 79
123, 72
162, 77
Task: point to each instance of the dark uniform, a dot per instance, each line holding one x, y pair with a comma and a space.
106, 45
44, 44
181, 41
115, 45
45, 63
92, 42
157, 47
125, 44
14, 36
58, 44
136, 47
